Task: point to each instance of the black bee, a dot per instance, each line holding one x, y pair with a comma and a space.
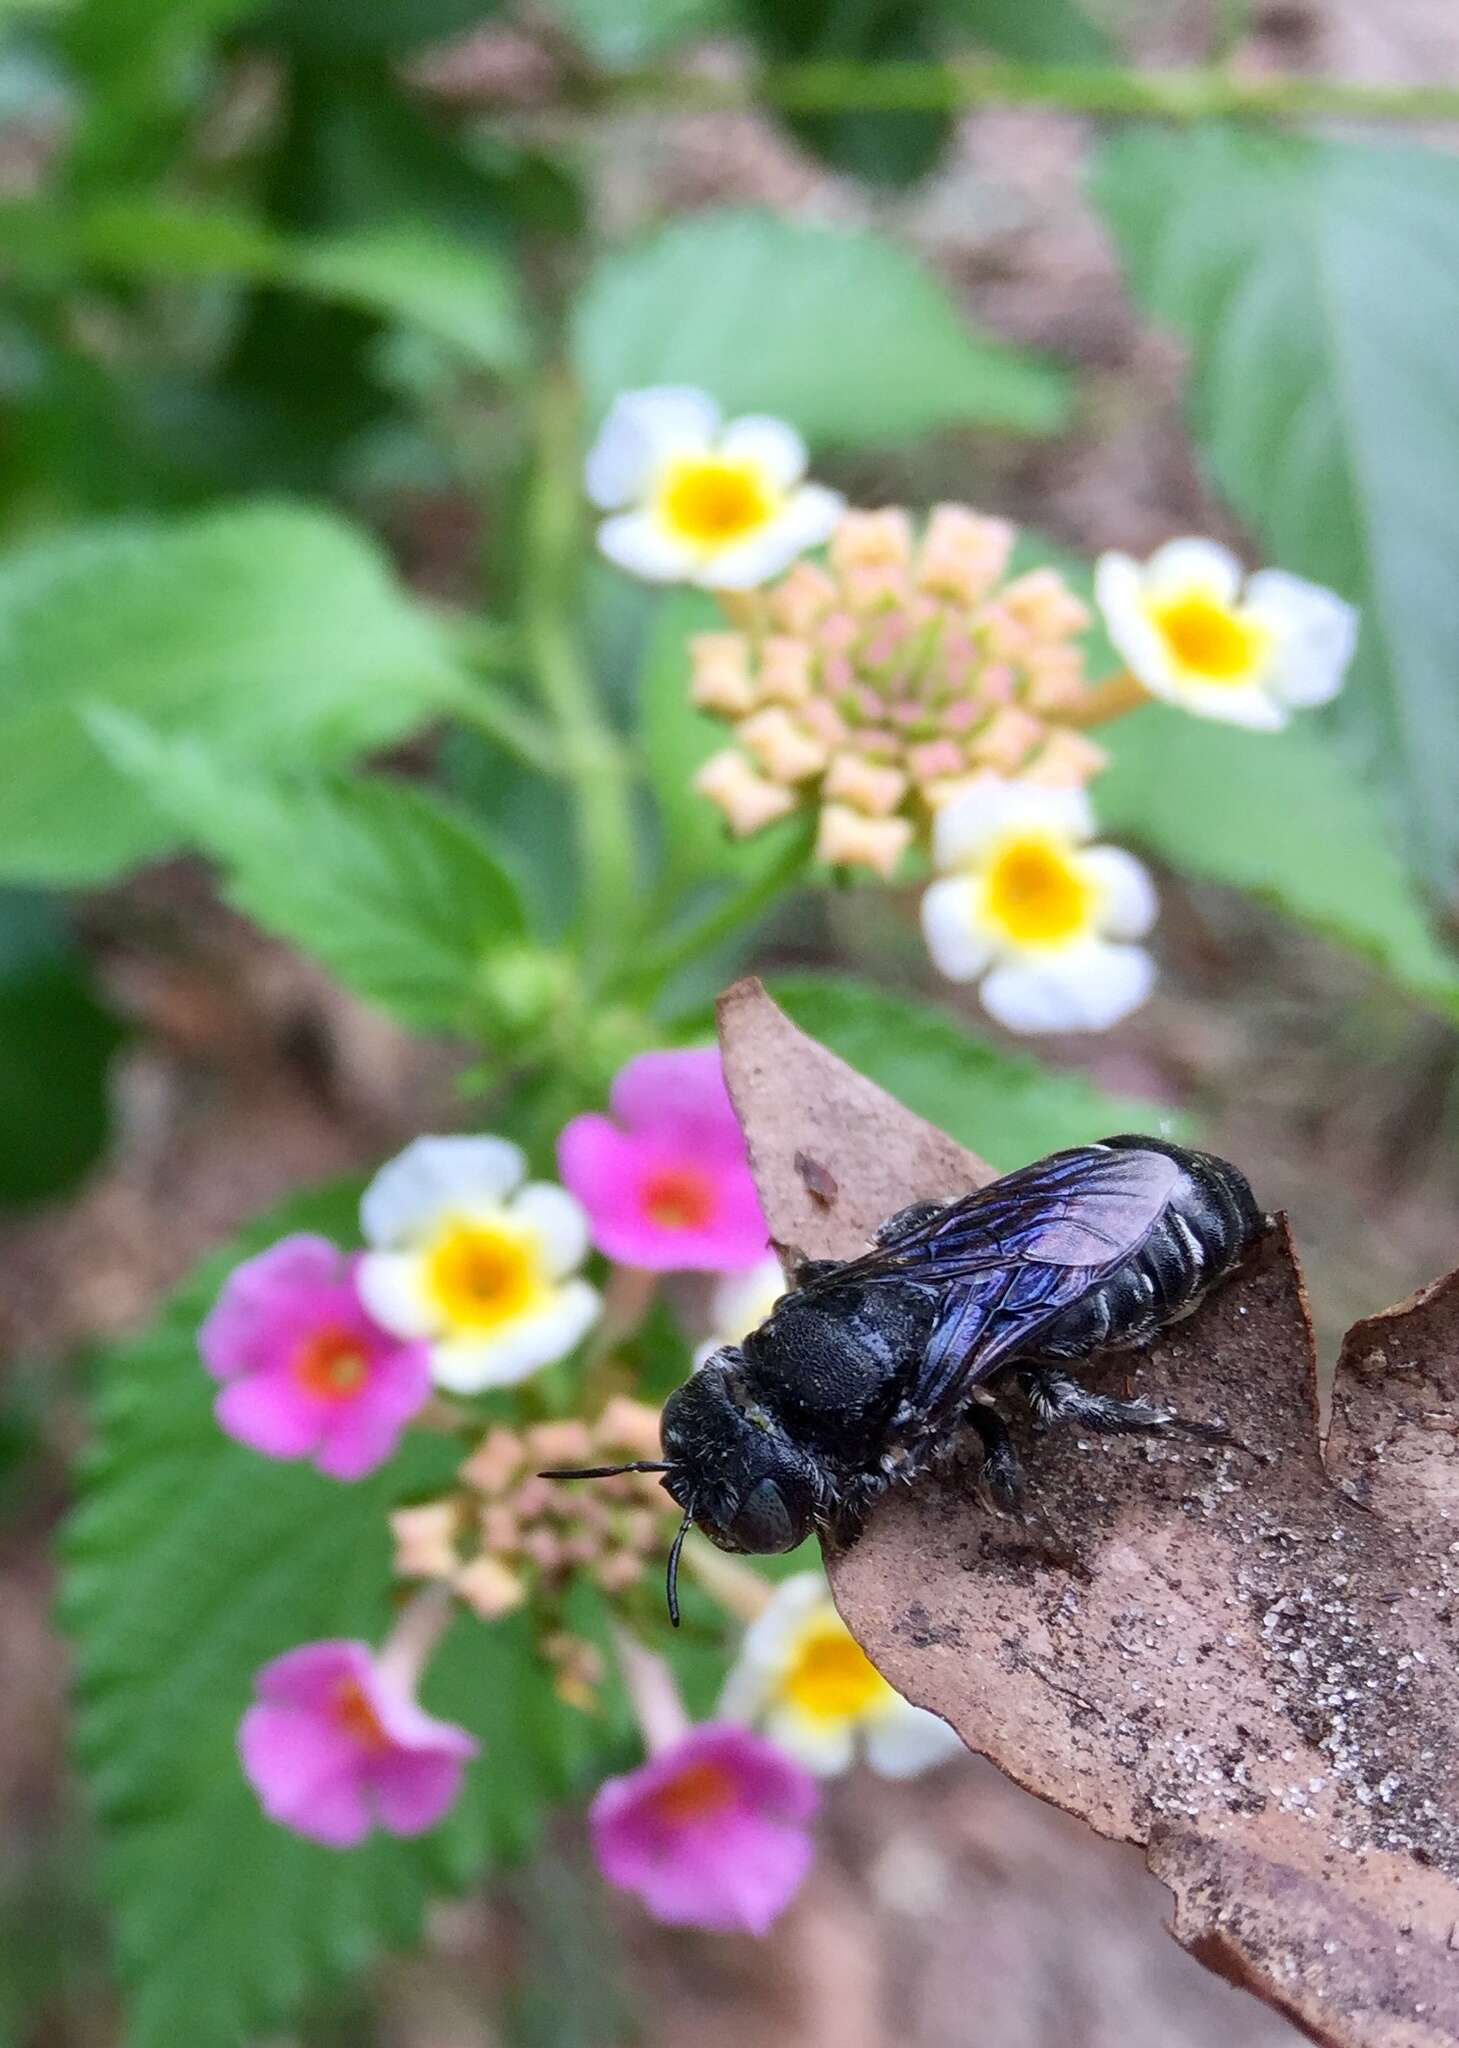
863, 1372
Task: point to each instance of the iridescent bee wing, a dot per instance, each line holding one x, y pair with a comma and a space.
1013, 1257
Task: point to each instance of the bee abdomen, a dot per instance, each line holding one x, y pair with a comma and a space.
1208, 1225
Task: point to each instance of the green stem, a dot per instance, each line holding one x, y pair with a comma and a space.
499, 719
734, 910
587, 750
835, 85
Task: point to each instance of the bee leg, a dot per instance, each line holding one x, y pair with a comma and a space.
911, 1218
1054, 1398
1002, 1474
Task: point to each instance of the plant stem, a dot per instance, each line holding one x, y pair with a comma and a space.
834, 85
509, 725
587, 750
1103, 701
734, 909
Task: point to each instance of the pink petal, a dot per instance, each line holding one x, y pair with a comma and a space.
265, 1302
362, 1433
412, 1792
312, 1675
735, 1878
660, 1088
270, 1413
409, 1726
305, 1773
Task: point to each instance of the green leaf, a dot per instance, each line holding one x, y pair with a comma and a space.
273, 633
1280, 815
1318, 286
1003, 1105
459, 291
190, 1562
1033, 31
56, 1045
369, 27
845, 335
895, 147
393, 892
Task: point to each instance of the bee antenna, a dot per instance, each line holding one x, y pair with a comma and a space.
672, 1575
605, 1471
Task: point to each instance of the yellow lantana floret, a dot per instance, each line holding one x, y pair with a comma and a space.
693, 500
1197, 632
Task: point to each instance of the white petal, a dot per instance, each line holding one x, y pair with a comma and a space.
826, 1747
1130, 904
907, 1740
1252, 705
641, 430
639, 543
1086, 988
777, 448
770, 1644
1315, 630
740, 1302
808, 517
392, 1287
960, 946
468, 1365
559, 1221
1119, 591
964, 830
434, 1174
1202, 565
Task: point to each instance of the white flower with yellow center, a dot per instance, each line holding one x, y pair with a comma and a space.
465, 1256
696, 501
1199, 633
802, 1677
1034, 913
739, 1303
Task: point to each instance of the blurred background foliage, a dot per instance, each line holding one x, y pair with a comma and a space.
307, 311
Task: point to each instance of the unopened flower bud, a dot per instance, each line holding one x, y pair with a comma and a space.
872, 540
630, 1426
867, 786
782, 747
748, 799
1066, 760
963, 553
497, 1460
784, 673
425, 1540
847, 838
489, 1588
559, 1443
721, 673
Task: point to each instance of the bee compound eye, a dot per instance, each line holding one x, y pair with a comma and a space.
764, 1524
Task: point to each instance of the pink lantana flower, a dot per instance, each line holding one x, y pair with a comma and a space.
307, 1371
711, 1832
665, 1178
335, 1745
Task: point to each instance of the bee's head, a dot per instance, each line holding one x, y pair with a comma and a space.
732, 1467
729, 1465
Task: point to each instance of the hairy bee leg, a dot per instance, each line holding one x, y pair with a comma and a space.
1055, 1398
1002, 1474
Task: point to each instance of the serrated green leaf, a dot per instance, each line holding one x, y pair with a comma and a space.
845, 335
396, 894
1282, 816
57, 1039
274, 633
190, 1562
1317, 284
1005, 1106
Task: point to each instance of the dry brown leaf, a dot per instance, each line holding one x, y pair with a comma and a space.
1241, 1659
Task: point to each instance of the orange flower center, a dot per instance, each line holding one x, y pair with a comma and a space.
679, 1198
331, 1365
700, 1792
357, 1718
483, 1276
1209, 639
710, 503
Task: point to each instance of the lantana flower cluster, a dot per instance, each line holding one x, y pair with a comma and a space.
470, 1281
918, 698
